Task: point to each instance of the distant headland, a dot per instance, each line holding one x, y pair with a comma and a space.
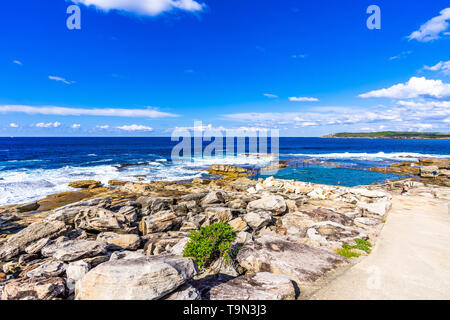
390, 135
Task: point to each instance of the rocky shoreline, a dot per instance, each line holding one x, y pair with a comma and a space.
126, 241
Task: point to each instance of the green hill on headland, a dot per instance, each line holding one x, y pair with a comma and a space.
390, 135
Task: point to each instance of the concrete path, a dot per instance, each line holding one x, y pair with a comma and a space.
411, 259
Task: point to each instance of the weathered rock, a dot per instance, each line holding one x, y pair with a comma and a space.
363, 222
117, 183
324, 214
218, 214
379, 208
212, 198
137, 279
258, 286
429, 171
296, 224
185, 292
27, 207
118, 255
161, 221
68, 212
75, 272
74, 249
299, 262
237, 204
229, 171
178, 248
258, 220
120, 241
37, 246
238, 224
84, 184
47, 269
34, 232
275, 204
34, 289
327, 231
100, 219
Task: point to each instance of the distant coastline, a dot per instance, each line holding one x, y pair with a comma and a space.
388, 135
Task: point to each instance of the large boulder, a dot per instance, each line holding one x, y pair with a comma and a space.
48, 269
257, 286
120, 241
429, 171
258, 220
34, 289
84, 184
34, 232
101, 219
213, 197
159, 222
75, 272
72, 250
379, 208
146, 278
329, 233
218, 214
299, 262
275, 204
68, 212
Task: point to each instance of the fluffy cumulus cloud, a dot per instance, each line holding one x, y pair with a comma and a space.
13, 125
135, 127
17, 62
103, 127
303, 99
419, 114
107, 112
432, 29
441, 66
75, 126
144, 7
414, 88
55, 124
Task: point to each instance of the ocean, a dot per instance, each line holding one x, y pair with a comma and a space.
31, 168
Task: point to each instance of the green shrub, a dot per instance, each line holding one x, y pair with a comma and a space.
347, 252
362, 245
210, 243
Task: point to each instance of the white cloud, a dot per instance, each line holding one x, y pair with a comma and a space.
75, 126
17, 62
55, 124
135, 127
442, 66
13, 125
103, 127
432, 28
298, 56
401, 55
414, 88
403, 115
270, 95
308, 124
107, 112
144, 7
60, 80
301, 99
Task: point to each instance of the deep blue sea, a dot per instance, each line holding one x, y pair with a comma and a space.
31, 168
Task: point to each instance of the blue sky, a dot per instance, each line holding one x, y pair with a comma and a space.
143, 68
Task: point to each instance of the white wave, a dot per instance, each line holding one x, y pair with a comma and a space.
24, 185
371, 156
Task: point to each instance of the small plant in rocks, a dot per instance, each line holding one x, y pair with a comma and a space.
210, 243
